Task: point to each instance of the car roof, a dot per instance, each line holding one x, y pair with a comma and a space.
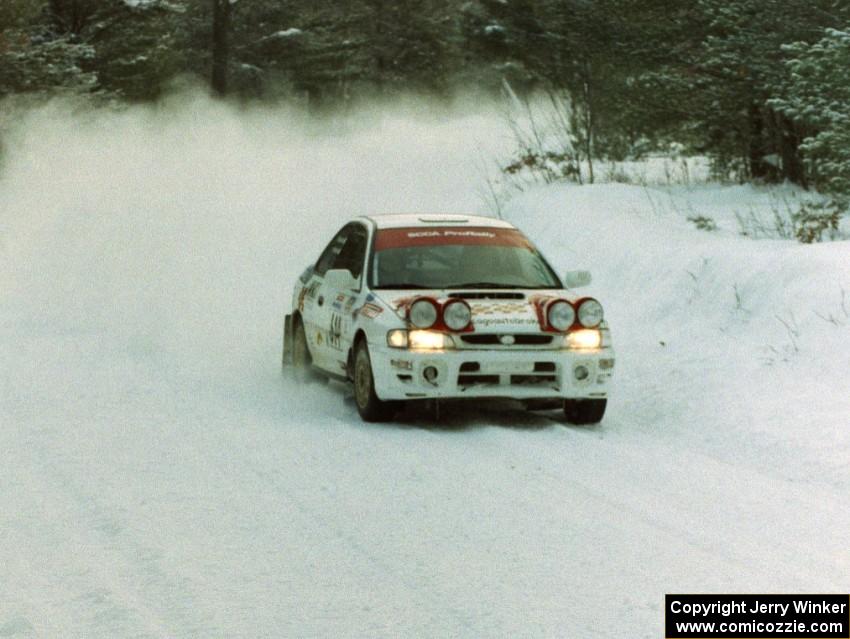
394, 221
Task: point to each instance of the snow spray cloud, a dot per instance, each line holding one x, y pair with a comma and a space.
178, 230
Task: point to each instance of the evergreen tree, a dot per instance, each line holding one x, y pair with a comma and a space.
137, 50
337, 49
739, 66
816, 97
36, 59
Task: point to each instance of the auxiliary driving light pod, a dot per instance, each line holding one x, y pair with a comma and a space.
423, 313
457, 315
560, 315
590, 313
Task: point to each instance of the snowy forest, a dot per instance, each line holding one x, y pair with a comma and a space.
761, 87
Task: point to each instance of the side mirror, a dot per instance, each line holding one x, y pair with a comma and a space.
576, 279
340, 279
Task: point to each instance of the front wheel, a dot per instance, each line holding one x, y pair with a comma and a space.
584, 411
370, 407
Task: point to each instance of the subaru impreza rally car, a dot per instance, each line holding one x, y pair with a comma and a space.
435, 306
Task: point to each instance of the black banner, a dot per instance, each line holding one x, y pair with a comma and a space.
757, 616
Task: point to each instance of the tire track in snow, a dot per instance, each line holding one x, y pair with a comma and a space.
105, 579
325, 411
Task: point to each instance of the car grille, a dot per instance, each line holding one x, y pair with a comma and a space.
487, 295
494, 340
544, 374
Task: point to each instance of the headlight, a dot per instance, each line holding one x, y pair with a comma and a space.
590, 313
423, 313
560, 315
429, 340
584, 339
397, 338
419, 340
457, 315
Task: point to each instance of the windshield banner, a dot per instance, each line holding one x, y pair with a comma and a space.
418, 236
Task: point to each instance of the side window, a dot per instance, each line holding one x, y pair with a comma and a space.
331, 252
353, 252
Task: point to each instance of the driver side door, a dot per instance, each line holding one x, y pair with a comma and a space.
330, 317
338, 322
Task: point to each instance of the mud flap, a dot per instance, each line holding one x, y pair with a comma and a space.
287, 341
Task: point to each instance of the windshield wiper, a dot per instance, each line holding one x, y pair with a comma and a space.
403, 285
488, 285
483, 285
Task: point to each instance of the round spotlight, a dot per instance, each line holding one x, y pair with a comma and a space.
430, 374
423, 313
457, 315
590, 313
581, 373
560, 315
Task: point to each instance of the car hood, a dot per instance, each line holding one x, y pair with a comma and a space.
510, 310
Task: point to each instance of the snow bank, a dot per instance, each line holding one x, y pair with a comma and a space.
710, 323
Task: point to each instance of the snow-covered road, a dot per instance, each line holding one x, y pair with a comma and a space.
159, 478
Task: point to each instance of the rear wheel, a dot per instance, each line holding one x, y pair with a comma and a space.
371, 408
584, 411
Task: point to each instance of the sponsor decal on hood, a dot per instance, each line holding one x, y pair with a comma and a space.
489, 314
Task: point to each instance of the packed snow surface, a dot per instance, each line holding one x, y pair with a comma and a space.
161, 479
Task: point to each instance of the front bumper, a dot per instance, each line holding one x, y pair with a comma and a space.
514, 373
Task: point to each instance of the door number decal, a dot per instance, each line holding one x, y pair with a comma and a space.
335, 335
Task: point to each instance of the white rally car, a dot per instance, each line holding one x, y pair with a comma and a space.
436, 306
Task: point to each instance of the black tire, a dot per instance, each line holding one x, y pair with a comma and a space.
584, 411
371, 408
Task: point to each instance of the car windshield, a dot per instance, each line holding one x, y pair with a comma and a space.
458, 258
